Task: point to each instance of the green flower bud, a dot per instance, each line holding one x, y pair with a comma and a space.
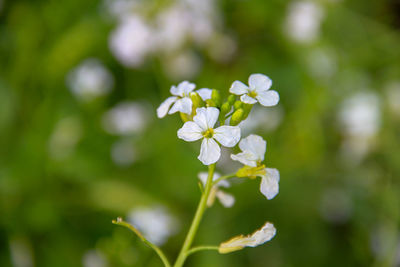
231, 99
225, 108
185, 117
247, 108
210, 103
197, 101
237, 117
238, 104
216, 97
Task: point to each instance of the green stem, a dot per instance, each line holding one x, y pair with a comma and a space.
225, 177
162, 256
197, 219
200, 248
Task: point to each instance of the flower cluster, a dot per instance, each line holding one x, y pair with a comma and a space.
214, 122
208, 118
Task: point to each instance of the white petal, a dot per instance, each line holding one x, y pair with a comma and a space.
176, 91
238, 88
269, 186
254, 144
259, 82
266, 233
204, 175
182, 89
190, 132
206, 117
183, 105
268, 98
209, 152
227, 200
204, 93
162, 110
186, 87
247, 99
227, 136
247, 158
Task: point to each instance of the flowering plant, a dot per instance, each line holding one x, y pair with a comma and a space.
215, 123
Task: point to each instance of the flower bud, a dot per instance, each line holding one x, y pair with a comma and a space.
225, 108
231, 99
237, 117
210, 103
196, 100
216, 97
247, 108
238, 104
185, 117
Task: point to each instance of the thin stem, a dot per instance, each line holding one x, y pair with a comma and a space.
200, 248
159, 252
225, 177
197, 218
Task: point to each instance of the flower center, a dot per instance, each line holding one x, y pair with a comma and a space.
208, 133
252, 94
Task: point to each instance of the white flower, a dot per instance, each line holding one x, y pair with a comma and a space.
126, 118
227, 200
266, 233
89, 80
202, 128
304, 20
155, 223
253, 149
131, 41
181, 99
269, 186
258, 90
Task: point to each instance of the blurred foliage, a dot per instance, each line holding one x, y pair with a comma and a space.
331, 211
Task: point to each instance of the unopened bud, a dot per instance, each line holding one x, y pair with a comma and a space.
225, 108
196, 100
210, 103
231, 99
237, 117
216, 97
238, 104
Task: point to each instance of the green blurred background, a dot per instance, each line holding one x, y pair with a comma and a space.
80, 142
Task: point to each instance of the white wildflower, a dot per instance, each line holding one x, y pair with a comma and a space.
90, 80
202, 127
304, 20
259, 237
126, 118
131, 41
258, 90
227, 200
253, 150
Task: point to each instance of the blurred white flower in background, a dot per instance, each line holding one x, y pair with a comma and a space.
155, 223
336, 205
322, 63
131, 41
90, 80
126, 118
392, 91
360, 121
384, 242
183, 65
94, 258
21, 252
64, 138
262, 119
227, 200
141, 32
123, 152
303, 21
